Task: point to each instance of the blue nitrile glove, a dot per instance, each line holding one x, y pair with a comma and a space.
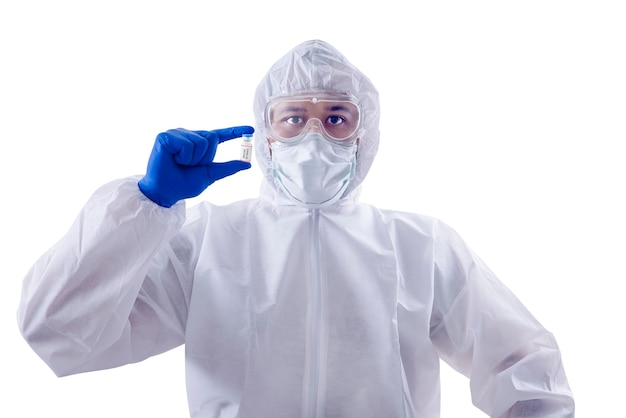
181, 164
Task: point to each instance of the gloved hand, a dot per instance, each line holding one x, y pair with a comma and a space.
181, 164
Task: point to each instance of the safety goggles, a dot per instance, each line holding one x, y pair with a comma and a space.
337, 117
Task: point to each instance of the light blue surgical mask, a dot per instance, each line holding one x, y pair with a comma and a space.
314, 172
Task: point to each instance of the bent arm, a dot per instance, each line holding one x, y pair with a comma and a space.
107, 293
482, 330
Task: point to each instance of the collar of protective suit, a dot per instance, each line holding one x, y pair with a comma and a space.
273, 195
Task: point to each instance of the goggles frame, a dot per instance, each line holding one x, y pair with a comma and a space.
315, 98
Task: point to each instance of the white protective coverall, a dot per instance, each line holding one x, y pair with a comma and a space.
287, 312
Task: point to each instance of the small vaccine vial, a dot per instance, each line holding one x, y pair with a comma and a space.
246, 148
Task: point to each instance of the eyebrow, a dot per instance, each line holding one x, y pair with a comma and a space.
335, 108
292, 109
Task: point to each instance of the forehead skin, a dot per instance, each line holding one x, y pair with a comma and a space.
312, 110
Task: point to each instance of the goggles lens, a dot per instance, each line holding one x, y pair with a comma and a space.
288, 119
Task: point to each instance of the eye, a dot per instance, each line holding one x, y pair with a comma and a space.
294, 120
335, 120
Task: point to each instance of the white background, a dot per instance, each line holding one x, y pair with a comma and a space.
504, 119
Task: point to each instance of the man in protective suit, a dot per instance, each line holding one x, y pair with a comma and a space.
302, 302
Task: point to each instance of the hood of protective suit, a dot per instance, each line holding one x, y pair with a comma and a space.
316, 66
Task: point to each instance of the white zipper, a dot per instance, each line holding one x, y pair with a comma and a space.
314, 388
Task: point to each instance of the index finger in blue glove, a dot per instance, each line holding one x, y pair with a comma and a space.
227, 133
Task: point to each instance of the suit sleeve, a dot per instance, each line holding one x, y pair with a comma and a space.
112, 291
482, 330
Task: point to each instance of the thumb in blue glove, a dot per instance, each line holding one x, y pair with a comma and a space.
181, 163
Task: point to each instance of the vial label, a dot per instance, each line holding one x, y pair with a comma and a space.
246, 148
246, 153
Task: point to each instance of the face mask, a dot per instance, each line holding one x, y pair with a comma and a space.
314, 172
